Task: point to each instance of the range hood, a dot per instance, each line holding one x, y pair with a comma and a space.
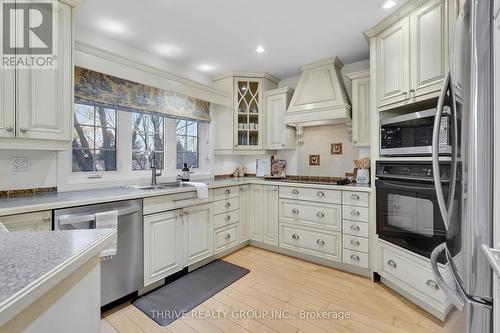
320, 97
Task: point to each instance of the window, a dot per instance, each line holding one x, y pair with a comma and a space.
147, 141
94, 138
187, 143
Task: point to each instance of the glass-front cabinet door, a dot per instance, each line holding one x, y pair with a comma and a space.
248, 113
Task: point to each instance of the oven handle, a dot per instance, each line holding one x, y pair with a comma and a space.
435, 152
407, 187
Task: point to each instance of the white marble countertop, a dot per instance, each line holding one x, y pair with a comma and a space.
56, 200
31, 263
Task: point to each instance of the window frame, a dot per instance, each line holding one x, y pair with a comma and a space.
186, 137
164, 138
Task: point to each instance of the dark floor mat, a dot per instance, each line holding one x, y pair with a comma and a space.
170, 302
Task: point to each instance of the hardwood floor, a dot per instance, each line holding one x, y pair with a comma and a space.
289, 285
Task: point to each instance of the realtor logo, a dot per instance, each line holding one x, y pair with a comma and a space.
29, 34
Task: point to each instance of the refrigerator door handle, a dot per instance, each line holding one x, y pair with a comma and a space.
493, 256
456, 295
435, 151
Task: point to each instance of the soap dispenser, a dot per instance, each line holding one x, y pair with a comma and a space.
185, 173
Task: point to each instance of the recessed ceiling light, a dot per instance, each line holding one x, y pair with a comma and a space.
112, 26
260, 49
389, 4
206, 67
168, 50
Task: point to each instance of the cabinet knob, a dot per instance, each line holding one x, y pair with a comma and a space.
432, 284
228, 236
228, 218
186, 212
227, 205
355, 212
227, 191
321, 194
320, 214
355, 242
412, 91
9, 128
354, 257
354, 197
295, 191
320, 242
23, 130
295, 236
46, 219
354, 228
181, 214
404, 92
392, 263
295, 211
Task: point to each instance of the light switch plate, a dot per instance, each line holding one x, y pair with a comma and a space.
19, 163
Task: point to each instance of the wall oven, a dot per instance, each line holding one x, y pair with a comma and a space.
408, 213
411, 134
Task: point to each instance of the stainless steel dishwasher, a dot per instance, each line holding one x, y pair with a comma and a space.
121, 274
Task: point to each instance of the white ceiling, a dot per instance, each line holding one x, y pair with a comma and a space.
218, 36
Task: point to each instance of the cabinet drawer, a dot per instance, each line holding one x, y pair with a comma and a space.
224, 219
355, 228
355, 243
310, 241
224, 206
397, 264
38, 221
310, 194
168, 202
355, 258
355, 213
226, 193
355, 198
225, 238
324, 215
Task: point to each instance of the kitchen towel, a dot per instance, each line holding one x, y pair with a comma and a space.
201, 189
108, 220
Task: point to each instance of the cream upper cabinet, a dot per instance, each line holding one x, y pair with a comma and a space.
271, 215
198, 230
242, 126
163, 248
411, 52
37, 103
428, 48
393, 64
360, 108
279, 135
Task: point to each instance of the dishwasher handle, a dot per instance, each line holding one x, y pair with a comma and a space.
75, 218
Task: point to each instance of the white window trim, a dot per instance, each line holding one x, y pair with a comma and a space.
124, 175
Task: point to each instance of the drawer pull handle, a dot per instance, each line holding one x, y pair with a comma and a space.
227, 205
295, 236
9, 128
295, 191
320, 214
355, 212
432, 284
320, 242
295, 211
354, 228
228, 218
321, 194
227, 236
355, 242
354, 257
23, 130
46, 219
392, 263
228, 191
354, 197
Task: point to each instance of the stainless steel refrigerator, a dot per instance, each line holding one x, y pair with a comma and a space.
468, 91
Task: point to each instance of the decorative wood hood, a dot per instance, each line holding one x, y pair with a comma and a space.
320, 97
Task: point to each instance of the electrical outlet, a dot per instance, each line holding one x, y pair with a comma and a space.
20, 163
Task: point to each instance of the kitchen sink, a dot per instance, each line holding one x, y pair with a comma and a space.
159, 186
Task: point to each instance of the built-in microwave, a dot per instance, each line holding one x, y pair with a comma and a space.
411, 134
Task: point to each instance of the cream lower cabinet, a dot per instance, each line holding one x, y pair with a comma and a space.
176, 239
38, 221
270, 215
37, 104
244, 212
256, 213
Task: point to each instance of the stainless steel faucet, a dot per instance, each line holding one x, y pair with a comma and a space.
154, 174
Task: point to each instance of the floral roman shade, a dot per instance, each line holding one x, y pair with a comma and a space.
113, 92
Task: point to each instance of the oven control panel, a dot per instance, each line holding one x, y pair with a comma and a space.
411, 170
